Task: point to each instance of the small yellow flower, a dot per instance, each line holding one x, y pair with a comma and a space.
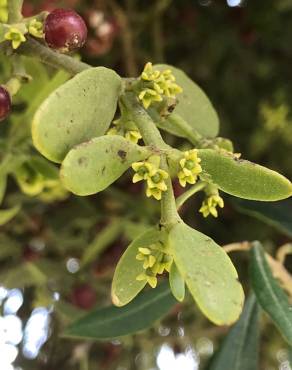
154, 192
15, 36
151, 280
190, 168
149, 74
148, 96
155, 85
209, 205
143, 170
157, 180
133, 135
112, 131
35, 28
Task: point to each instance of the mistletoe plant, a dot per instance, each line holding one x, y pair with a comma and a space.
99, 125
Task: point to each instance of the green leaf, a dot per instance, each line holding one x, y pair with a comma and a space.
269, 294
103, 239
125, 287
193, 106
77, 111
176, 282
44, 167
242, 178
208, 273
99, 162
277, 214
240, 348
111, 322
7, 214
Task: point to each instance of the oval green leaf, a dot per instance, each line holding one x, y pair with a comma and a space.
208, 273
99, 162
176, 282
77, 111
193, 106
270, 295
242, 178
240, 348
125, 287
112, 322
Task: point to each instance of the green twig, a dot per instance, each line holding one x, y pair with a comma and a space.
152, 136
35, 49
14, 10
190, 192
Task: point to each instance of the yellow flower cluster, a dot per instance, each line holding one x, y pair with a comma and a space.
154, 176
127, 129
15, 36
156, 85
190, 168
155, 261
210, 204
35, 28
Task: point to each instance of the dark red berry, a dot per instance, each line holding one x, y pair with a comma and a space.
83, 296
65, 30
5, 103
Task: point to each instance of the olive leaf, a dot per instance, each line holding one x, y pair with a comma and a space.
94, 165
209, 274
277, 215
77, 111
176, 282
125, 287
242, 178
193, 106
239, 350
111, 322
270, 295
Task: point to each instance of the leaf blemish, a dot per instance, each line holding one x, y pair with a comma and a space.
83, 161
122, 154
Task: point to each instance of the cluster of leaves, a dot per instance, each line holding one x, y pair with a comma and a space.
70, 128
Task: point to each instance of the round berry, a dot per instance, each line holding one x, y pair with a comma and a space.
5, 103
83, 296
65, 30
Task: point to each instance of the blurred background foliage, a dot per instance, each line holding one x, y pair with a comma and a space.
57, 255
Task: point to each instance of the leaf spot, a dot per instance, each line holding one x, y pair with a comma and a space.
122, 154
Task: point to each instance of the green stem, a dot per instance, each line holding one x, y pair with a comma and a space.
14, 10
152, 136
193, 136
187, 194
169, 215
35, 49
149, 131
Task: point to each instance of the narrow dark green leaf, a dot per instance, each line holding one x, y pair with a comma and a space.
278, 214
270, 295
111, 322
239, 350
